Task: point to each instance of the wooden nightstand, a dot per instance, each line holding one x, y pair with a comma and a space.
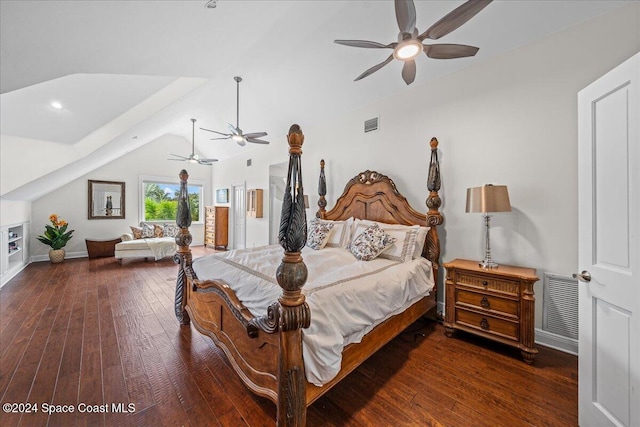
494, 303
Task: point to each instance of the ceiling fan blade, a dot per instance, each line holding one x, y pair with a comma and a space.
454, 19
255, 140
207, 161
226, 137
234, 130
255, 135
179, 157
215, 131
449, 51
179, 160
406, 15
409, 71
374, 68
365, 43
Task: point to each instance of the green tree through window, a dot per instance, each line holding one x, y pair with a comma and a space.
161, 201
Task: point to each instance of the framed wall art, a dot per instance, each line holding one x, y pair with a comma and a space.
222, 195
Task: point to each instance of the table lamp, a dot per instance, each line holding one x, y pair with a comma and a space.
486, 199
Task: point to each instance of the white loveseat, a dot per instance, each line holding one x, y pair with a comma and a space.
142, 243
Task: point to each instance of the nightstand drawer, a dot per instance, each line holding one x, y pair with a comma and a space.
492, 325
510, 287
481, 301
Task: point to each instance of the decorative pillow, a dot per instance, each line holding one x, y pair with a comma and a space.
370, 243
318, 234
158, 231
171, 230
147, 230
405, 239
340, 236
420, 239
137, 232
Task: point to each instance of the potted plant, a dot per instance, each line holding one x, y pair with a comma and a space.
56, 236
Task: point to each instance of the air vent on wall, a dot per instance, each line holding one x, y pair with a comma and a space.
560, 306
371, 125
248, 162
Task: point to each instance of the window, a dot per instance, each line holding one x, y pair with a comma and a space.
159, 199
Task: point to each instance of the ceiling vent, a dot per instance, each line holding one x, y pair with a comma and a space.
371, 125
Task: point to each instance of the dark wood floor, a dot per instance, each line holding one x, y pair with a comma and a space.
93, 334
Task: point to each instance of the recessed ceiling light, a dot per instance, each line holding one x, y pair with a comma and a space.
57, 105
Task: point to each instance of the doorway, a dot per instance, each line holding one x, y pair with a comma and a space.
239, 216
277, 183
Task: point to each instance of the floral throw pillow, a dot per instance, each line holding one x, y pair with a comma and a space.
137, 232
147, 230
318, 235
171, 230
371, 243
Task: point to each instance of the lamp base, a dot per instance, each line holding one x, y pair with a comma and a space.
488, 264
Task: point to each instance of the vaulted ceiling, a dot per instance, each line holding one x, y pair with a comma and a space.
126, 72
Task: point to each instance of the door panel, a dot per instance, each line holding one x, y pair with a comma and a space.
609, 249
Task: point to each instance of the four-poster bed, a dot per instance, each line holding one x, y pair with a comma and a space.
267, 350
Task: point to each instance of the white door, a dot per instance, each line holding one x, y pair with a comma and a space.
239, 216
609, 248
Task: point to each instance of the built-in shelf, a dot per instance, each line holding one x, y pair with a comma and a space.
14, 255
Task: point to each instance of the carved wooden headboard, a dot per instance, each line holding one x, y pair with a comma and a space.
374, 196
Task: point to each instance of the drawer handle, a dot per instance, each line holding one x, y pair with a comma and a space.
484, 302
484, 324
485, 283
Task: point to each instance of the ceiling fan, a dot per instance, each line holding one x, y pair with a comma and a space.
193, 157
236, 133
409, 44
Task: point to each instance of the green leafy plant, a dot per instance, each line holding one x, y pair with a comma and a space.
56, 234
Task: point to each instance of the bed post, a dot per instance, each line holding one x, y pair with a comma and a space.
434, 217
322, 191
183, 254
292, 310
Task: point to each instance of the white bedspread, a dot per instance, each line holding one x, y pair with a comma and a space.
347, 297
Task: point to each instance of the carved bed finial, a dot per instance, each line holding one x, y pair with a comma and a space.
291, 313
322, 191
183, 255
434, 217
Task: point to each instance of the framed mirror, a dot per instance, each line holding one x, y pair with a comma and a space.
106, 199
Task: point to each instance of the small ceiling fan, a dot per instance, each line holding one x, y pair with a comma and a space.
236, 133
409, 44
193, 157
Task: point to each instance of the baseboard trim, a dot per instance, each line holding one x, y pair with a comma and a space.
68, 255
558, 342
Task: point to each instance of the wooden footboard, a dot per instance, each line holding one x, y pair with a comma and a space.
266, 352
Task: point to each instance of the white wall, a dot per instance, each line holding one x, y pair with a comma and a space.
510, 120
70, 202
14, 212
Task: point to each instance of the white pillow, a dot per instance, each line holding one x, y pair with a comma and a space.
372, 242
340, 236
420, 239
318, 234
405, 239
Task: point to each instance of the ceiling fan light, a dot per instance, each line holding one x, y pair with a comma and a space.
237, 138
408, 49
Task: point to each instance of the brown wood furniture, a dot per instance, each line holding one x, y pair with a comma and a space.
266, 352
255, 203
100, 248
216, 227
496, 303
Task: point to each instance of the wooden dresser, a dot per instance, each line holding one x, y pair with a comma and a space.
216, 226
494, 303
